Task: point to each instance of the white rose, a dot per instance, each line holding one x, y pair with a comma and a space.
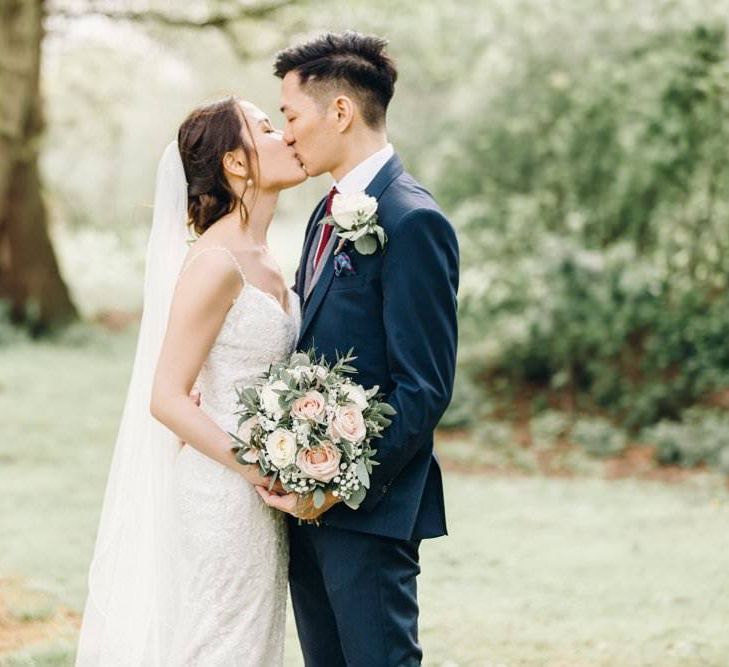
270, 395
355, 394
281, 447
300, 372
246, 428
348, 209
321, 373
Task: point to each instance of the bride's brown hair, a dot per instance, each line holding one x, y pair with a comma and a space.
205, 136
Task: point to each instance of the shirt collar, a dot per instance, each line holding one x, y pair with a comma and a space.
357, 179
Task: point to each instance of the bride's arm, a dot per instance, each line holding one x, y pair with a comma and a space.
203, 295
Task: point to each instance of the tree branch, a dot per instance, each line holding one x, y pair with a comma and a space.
221, 20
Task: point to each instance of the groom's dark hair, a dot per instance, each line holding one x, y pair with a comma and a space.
349, 60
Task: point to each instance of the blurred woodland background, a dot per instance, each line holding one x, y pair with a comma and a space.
581, 148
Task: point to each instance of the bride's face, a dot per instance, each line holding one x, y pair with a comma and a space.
279, 168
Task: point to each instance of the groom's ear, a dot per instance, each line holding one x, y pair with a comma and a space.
345, 109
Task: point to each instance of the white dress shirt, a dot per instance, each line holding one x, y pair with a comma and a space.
357, 179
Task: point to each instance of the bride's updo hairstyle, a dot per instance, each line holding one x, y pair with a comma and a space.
205, 136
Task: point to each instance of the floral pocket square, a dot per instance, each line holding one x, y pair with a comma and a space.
343, 265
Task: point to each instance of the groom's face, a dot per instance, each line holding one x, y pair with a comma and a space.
311, 128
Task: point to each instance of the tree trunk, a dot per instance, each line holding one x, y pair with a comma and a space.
29, 275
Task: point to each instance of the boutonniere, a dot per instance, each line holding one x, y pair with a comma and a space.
354, 218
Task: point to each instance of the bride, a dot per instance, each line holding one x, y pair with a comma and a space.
190, 565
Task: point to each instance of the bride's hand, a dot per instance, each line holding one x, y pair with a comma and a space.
302, 507
252, 474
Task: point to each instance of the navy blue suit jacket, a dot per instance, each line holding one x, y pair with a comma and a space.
398, 312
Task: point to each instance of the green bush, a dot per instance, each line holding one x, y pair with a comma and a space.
547, 427
592, 198
598, 437
701, 437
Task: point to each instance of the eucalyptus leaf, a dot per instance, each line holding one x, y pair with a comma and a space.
355, 500
263, 463
365, 245
319, 497
348, 449
362, 474
387, 409
236, 438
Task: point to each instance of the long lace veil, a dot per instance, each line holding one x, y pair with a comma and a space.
131, 606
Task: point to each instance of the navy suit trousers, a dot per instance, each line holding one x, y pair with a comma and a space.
354, 597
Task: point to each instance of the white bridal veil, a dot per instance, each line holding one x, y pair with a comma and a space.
131, 607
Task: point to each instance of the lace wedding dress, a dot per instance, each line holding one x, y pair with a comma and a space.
234, 548
189, 565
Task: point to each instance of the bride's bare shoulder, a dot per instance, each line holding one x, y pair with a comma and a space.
210, 271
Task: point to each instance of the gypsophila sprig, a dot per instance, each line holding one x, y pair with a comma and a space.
309, 425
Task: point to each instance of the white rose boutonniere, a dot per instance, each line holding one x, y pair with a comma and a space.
354, 218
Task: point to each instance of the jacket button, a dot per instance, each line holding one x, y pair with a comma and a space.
385, 488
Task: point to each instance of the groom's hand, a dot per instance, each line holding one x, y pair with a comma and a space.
302, 507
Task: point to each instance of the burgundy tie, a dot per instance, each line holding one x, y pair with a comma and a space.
326, 230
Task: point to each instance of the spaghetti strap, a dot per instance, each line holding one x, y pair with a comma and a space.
223, 249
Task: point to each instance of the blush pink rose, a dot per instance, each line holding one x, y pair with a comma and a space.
310, 406
320, 462
348, 424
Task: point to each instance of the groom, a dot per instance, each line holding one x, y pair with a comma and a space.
353, 578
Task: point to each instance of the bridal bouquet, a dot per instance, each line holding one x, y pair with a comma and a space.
310, 426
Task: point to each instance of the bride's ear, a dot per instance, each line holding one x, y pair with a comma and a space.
234, 163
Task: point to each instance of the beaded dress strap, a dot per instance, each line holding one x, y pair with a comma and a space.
220, 248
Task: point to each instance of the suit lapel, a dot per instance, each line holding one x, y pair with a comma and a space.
314, 275
389, 172
311, 305
310, 236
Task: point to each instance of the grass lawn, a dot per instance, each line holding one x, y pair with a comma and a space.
536, 571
